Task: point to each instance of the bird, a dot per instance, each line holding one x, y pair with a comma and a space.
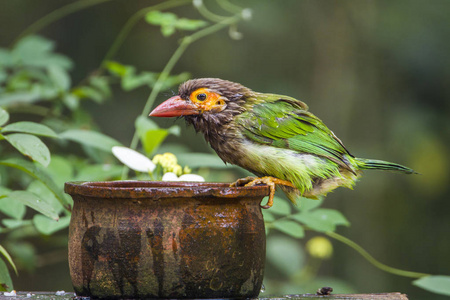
273, 136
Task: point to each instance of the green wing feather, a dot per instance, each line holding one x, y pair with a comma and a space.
284, 122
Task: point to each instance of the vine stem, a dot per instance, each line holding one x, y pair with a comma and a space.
372, 260
185, 42
56, 15
207, 14
132, 21
232, 8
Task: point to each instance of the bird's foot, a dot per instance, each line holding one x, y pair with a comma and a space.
272, 182
242, 181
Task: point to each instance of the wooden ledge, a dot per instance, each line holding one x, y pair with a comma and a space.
70, 296
380, 296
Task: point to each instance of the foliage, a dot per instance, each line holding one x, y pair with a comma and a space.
169, 22
37, 92
435, 284
53, 139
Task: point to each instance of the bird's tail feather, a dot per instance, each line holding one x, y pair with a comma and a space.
374, 164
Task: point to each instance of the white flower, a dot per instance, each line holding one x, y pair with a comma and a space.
133, 159
170, 176
197, 3
246, 14
11, 294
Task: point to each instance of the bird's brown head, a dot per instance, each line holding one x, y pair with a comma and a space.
206, 98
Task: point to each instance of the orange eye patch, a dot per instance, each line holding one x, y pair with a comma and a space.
206, 100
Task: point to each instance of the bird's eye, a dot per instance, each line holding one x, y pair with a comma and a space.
201, 97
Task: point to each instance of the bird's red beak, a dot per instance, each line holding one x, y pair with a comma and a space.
174, 107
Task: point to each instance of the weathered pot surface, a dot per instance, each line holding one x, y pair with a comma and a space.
141, 239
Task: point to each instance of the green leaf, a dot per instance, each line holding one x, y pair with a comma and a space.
99, 173
59, 77
174, 148
3, 77
175, 130
30, 146
438, 284
60, 169
101, 84
152, 139
13, 223
285, 254
166, 20
332, 215
48, 226
40, 174
8, 258
31, 128
197, 160
5, 279
321, 219
280, 207
90, 138
25, 77
151, 135
116, 68
11, 208
169, 22
167, 30
131, 81
305, 204
43, 192
32, 46
71, 101
290, 228
36, 51
33, 201
6, 59
24, 254
143, 124
90, 93
187, 24
311, 221
4, 191
7, 99
97, 90
4, 116
159, 18
268, 216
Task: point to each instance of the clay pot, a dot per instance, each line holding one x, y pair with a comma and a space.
139, 239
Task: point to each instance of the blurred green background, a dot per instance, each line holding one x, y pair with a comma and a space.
376, 72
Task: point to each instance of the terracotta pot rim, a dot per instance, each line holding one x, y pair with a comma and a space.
161, 189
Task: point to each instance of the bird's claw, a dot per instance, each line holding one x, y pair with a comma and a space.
242, 181
268, 180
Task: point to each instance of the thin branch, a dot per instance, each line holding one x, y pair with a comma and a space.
132, 21
372, 260
186, 41
205, 12
229, 6
56, 15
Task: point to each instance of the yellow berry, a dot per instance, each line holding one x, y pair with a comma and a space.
177, 170
319, 247
187, 170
